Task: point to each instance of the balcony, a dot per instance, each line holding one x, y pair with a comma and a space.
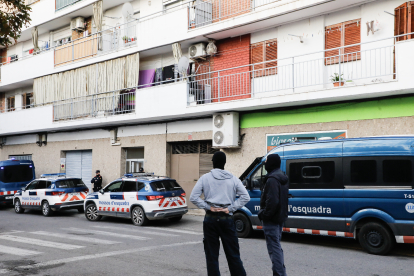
61, 4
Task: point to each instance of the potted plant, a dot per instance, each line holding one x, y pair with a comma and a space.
125, 39
337, 80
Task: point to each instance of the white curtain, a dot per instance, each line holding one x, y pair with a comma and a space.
97, 20
35, 39
177, 52
76, 87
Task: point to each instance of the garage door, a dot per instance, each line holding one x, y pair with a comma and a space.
79, 164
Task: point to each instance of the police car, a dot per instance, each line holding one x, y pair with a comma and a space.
139, 197
51, 192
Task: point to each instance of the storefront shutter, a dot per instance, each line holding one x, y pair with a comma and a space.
271, 54
352, 36
257, 55
333, 37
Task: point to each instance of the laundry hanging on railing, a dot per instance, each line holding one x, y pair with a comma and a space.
146, 78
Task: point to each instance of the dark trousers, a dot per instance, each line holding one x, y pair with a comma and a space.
221, 226
273, 234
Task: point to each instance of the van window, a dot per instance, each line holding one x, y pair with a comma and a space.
258, 178
363, 171
16, 173
397, 171
319, 172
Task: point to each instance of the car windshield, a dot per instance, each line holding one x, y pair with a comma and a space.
70, 183
165, 185
16, 173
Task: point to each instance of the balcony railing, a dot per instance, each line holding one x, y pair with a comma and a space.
344, 66
104, 104
112, 39
203, 12
61, 4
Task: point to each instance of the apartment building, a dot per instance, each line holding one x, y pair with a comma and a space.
104, 85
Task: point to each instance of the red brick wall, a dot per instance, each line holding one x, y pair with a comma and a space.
3, 55
76, 34
234, 84
225, 9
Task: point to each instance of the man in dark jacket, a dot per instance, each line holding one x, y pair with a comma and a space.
274, 211
97, 181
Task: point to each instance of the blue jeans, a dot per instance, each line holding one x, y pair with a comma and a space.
217, 226
273, 234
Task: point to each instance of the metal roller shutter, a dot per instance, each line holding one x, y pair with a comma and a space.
79, 165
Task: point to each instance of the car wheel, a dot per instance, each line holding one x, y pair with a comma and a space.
81, 210
375, 238
138, 217
91, 213
175, 219
243, 225
18, 207
46, 211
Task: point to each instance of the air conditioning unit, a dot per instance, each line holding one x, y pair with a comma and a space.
77, 23
197, 50
226, 130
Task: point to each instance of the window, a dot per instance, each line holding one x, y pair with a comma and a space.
141, 186
32, 186
165, 186
114, 187
129, 186
262, 52
21, 157
403, 21
43, 184
363, 171
257, 179
27, 100
72, 183
16, 173
339, 35
397, 171
11, 104
317, 172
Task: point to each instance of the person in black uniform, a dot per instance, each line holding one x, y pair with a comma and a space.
97, 181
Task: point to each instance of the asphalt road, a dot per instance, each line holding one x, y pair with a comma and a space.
68, 244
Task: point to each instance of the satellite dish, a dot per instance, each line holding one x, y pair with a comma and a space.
127, 10
183, 64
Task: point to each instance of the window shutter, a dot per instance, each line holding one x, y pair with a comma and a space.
333, 39
257, 55
271, 54
410, 19
352, 36
400, 24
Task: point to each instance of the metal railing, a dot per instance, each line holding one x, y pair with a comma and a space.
327, 69
12, 109
61, 4
111, 39
103, 104
203, 12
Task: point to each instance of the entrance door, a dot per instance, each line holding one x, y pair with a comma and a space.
185, 169
79, 165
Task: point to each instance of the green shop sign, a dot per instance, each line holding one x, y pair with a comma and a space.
274, 140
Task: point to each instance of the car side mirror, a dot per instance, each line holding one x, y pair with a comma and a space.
101, 191
247, 184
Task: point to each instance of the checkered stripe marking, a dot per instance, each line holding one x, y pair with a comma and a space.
314, 232
404, 239
165, 202
114, 209
8, 193
68, 197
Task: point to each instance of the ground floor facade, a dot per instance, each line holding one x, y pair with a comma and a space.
183, 149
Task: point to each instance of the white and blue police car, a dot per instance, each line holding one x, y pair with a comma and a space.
51, 192
139, 197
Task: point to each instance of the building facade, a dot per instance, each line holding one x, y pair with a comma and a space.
103, 85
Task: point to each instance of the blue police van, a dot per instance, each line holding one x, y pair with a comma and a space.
358, 188
14, 175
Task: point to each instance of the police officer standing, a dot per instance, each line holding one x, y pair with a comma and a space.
97, 181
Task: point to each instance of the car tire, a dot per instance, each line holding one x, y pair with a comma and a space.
175, 219
375, 238
46, 210
243, 226
81, 210
91, 213
138, 217
18, 207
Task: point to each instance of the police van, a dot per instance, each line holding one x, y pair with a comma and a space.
14, 175
359, 188
51, 192
140, 197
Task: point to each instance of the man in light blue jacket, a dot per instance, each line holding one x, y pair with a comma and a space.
220, 189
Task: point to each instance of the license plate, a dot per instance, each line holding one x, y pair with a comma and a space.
9, 197
74, 194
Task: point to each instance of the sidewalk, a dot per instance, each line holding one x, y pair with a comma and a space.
196, 212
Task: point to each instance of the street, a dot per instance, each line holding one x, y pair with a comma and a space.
68, 244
